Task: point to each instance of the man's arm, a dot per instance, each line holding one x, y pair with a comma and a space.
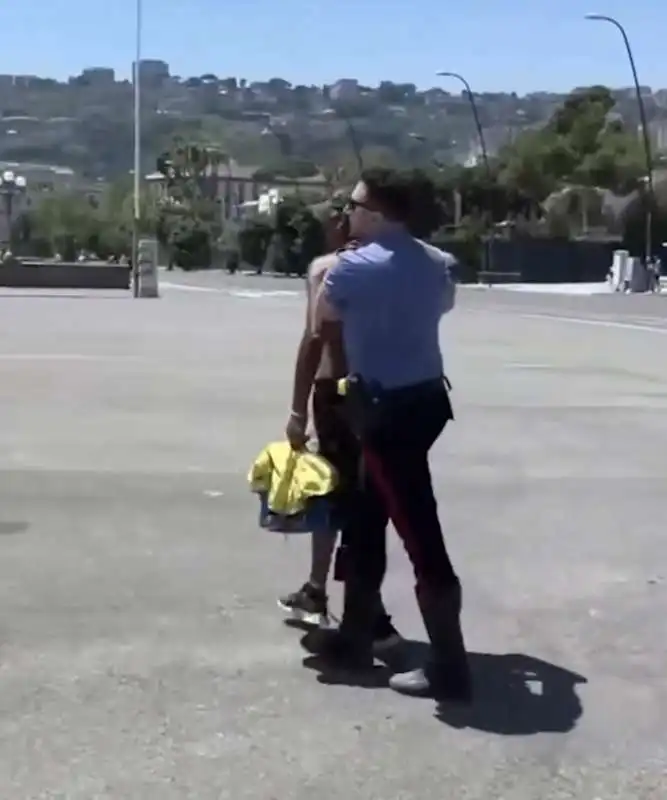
309, 353
447, 262
449, 288
323, 314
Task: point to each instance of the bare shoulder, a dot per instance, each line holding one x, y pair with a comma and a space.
320, 266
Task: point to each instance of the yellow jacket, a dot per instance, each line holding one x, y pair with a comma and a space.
290, 478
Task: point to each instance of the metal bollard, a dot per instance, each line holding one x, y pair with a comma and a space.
147, 256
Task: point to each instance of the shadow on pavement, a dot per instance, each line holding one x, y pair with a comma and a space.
515, 694
12, 528
518, 695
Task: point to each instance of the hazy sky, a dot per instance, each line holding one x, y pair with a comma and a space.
512, 46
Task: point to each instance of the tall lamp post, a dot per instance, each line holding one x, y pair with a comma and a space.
352, 136
136, 193
11, 186
475, 113
485, 152
354, 141
284, 140
418, 137
649, 193
285, 144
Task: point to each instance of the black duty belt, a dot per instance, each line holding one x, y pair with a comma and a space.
413, 390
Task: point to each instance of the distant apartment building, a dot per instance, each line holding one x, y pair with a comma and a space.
344, 89
658, 135
657, 132
98, 76
435, 97
153, 71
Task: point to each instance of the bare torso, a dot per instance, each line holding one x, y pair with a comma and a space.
332, 362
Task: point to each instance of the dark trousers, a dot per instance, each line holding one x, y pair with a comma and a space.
395, 483
341, 447
337, 444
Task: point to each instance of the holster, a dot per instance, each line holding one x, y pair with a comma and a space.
365, 406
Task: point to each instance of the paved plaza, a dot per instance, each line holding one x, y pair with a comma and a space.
142, 656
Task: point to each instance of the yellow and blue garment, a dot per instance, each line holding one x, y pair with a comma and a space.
294, 488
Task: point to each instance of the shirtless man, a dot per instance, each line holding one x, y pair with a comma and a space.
317, 370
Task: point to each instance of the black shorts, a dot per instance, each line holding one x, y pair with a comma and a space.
336, 441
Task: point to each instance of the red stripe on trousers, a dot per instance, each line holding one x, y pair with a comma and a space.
396, 511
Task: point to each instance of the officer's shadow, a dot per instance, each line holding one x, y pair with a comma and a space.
515, 694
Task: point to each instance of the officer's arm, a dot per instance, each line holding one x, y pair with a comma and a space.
447, 264
449, 285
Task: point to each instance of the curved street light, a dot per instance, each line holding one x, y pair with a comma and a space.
352, 135
440, 166
283, 138
475, 113
354, 141
650, 196
285, 145
485, 156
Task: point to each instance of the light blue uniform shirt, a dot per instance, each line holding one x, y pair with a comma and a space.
390, 295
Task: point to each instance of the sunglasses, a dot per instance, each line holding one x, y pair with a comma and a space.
351, 205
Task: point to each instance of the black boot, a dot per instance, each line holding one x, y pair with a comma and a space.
351, 645
446, 675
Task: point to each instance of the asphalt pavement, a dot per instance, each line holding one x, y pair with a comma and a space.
141, 651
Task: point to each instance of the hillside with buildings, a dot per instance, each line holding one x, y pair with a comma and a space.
81, 130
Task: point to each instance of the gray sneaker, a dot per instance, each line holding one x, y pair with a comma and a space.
307, 605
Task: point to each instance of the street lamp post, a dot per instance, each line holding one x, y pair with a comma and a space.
418, 137
475, 113
649, 193
11, 185
354, 141
285, 145
423, 141
485, 153
136, 217
284, 140
352, 135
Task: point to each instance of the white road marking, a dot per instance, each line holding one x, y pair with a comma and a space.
520, 365
185, 287
255, 294
64, 357
572, 289
598, 323
252, 294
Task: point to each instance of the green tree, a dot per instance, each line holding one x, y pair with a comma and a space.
64, 224
581, 145
189, 221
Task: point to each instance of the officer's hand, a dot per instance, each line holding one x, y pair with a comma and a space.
295, 431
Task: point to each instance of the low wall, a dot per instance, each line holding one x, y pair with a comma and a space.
64, 275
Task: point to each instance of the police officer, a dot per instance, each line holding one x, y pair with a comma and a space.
390, 294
